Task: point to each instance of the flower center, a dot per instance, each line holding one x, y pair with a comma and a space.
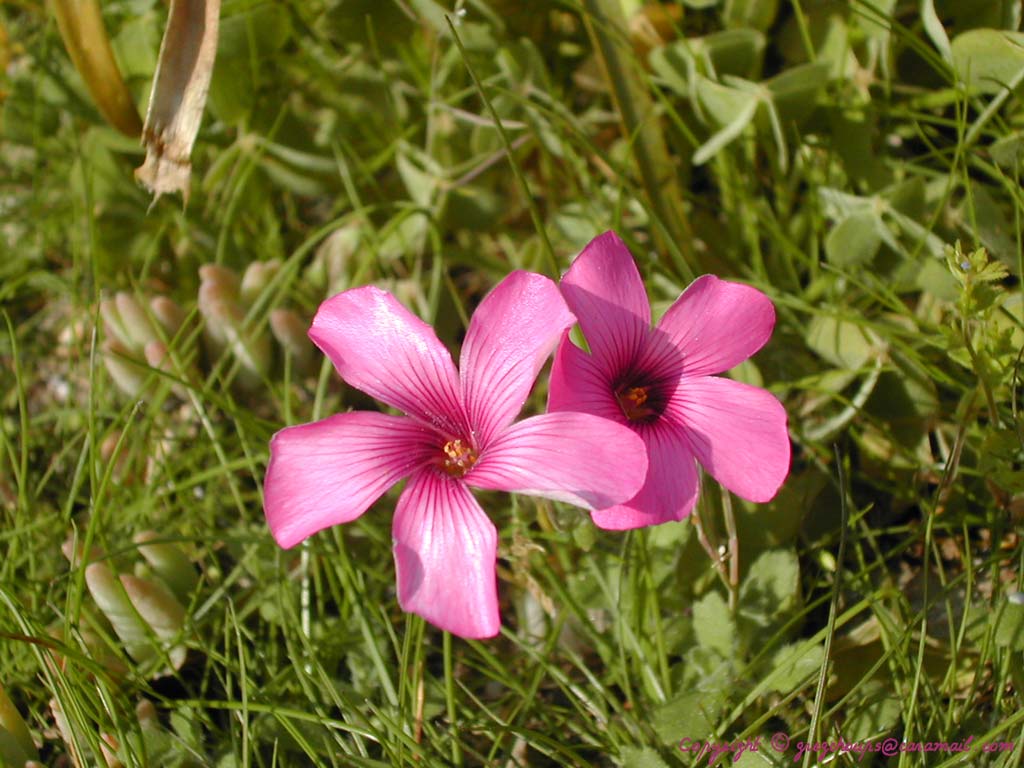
459, 458
639, 403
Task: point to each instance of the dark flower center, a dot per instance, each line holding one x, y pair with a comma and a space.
459, 457
640, 402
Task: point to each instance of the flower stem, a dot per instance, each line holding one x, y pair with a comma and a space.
449, 695
734, 551
833, 612
705, 542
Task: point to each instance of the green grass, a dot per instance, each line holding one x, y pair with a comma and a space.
432, 152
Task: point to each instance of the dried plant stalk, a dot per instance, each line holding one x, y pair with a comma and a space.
180, 86
85, 38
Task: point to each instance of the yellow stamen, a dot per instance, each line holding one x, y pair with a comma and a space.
637, 396
634, 405
459, 458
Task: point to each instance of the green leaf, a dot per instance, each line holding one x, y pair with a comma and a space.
246, 40
771, 114
839, 204
1005, 323
137, 45
432, 13
991, 224
840, 342
877, 712
404, 234
670, 536
584, 535
795, 92
522, 63
369, 22
737, 52
734, 52
705, 670
713, 624
1008, 152
675, 64
935, 278
855, 240
855, 136
769, 592
690, 715
876, 23
989, 60
640, 757
1009, 630
720, 103
777, 523
908, 197
759, 14
918, 233
763, 757
419, 183
109, 593
748, 373
793, 664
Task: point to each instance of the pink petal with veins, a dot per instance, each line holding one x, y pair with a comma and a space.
382, 348
574, 457
604, 290
580, 383
715, 325
446, 554
513, 331
670, 489
738, 433
331, 471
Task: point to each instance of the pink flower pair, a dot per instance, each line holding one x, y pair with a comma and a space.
626, 425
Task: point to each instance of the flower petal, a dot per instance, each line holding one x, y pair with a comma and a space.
446, 551
382, 348
331, 471
715, 325
575, 457
604, 290
578, 382
737, 431
671, 487
511, 335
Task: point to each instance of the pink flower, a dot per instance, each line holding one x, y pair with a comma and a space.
659, 382
457, 432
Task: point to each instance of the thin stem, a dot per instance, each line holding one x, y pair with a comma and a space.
805, 32
705, 542
734, 551
449, 695
819, 696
